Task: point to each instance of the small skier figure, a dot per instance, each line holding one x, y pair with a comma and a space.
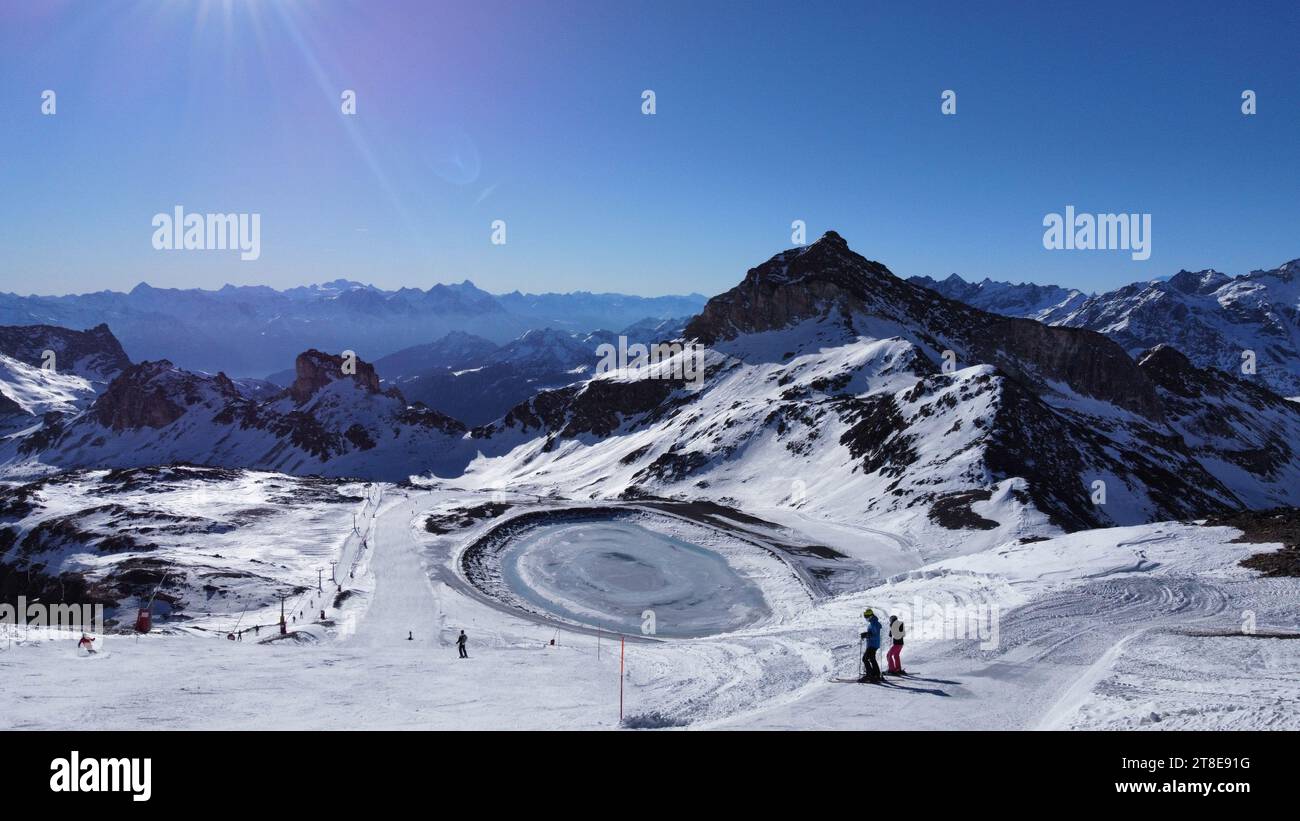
896, 632
87, 644
872, 635
460, 644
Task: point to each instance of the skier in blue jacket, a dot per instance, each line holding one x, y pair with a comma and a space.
872, 635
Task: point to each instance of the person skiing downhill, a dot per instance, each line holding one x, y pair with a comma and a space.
896, 632
460, 644
872, 635
87, 644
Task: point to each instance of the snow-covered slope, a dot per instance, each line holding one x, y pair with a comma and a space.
35, 391
33, 383
1131, 628
327, 423
209, 546
826, 390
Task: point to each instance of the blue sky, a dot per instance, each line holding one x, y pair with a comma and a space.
530, 112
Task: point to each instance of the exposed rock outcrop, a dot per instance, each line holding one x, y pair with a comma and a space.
315, 369
94, 354
155, 394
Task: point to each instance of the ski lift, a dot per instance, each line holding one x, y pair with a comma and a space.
143, 620
144, 616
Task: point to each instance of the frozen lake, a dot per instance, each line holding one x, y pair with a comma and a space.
607, 574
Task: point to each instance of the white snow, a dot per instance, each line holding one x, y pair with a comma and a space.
39, 391
1097, 629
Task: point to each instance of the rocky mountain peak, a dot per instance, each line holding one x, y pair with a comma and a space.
313, 370
94, 354
1288, 270
832, 238
1198, 282
797, 284
155, 394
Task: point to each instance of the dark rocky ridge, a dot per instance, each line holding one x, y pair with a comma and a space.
95, 354
827, 278
155, 394
1228, 418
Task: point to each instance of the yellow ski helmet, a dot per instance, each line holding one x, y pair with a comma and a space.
868, 613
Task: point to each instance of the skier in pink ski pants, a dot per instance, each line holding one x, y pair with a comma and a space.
896, 632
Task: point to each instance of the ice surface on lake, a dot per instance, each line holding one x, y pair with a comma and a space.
608, 573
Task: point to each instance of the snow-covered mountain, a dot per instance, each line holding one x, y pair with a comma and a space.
1211, 317
480, 388
328, 423
33, 385
544, 350
477, 382
252, 331
95, 354
653, 329
827, 391
1025, 299
454, 351
832, 386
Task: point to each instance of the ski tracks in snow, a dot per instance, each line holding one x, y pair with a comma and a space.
403, 601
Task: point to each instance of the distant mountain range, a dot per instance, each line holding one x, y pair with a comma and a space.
476, 380
831, 387
97, 409
252, 331
1011, 299
1216, 320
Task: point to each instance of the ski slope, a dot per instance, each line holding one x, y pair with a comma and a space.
1093, 630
